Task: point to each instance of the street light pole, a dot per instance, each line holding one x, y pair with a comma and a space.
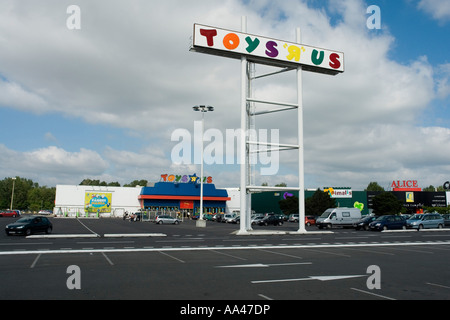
203, 109
12, 194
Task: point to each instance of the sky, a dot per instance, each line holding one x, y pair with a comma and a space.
106, 100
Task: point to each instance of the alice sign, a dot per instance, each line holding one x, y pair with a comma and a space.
264, 50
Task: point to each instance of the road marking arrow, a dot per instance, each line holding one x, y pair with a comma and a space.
261, 265
321, 278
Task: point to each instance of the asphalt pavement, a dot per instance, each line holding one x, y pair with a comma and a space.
119, 259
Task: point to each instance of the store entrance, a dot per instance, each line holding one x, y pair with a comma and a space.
187, 213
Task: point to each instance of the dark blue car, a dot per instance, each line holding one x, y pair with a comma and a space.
28, 225
388, 223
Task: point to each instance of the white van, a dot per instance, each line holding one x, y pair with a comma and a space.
342, 217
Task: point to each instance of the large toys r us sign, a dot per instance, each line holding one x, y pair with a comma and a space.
267, 51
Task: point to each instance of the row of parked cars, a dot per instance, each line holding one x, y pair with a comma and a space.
416, 221
9, 213
262, 219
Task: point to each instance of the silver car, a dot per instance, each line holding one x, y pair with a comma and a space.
427, 220
166, 219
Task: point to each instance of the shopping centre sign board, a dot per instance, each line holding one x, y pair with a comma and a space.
264, 50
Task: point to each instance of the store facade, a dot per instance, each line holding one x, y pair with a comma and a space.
173, 194
95, 201
183, 198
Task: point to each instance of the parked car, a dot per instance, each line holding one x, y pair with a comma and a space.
310, 220
364, 223
229, 217
427, 220
388, 222
163, 219
219, 217
255, 219
9, 213
446, 219
28, 225
45, 212
276, 220
208, 216
293, 217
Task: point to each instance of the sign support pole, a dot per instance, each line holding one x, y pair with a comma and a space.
301, 160
243, 145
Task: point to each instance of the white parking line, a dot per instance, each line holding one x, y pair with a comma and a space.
62, 236
373, 294
264, 297
318, 246
228, 255
133, 235
35, 261
437, 285
87, 227
282, 254
107, 259
168, 255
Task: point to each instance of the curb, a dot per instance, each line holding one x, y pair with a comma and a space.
62, 236
111, 235
134, 235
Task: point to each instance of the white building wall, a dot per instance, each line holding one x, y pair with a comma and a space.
69, 199
234, 204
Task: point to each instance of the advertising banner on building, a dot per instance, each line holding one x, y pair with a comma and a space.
338, 192
414, 201
227, 43
98, 202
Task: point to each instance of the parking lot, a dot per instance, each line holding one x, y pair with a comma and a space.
117, 226
140, 260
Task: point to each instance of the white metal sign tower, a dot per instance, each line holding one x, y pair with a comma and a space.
251, 49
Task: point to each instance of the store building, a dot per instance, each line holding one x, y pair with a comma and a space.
173, 194
413, 199
95, 201
184, 198
345, 197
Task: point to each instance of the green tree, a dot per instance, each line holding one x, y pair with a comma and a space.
374, 186
282, 184
96, 182
41, 198
142, 183
386, 203
21, 188
318, 203
90, 182
289, 205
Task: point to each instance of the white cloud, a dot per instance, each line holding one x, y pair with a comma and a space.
129, 67
14, 96
438, 9
51, 165
443, 81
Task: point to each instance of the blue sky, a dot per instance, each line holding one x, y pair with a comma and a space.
103, 98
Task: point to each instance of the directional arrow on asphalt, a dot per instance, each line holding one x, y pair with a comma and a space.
261, 265
321, 278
